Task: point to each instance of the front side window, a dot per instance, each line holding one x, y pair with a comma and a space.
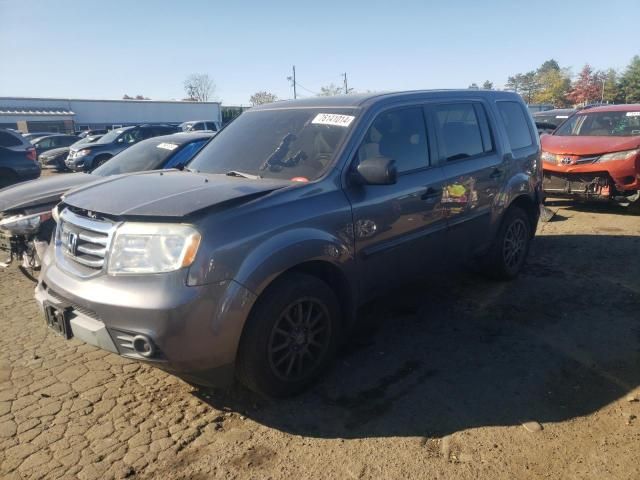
460, 129
111, 137
131, 136
297, 143
516, 125
46, 143
66, 141
601, 124
399, 135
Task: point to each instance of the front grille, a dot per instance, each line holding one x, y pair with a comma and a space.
79, 308
83, 240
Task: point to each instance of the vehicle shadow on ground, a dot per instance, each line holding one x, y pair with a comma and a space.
589, 206
460, 351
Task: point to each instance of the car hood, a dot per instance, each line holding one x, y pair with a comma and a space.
587, 145
92, 146
170, 193
41, 191
54, 152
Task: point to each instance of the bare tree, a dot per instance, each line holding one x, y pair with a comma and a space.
330, 90
199, 87
262, 97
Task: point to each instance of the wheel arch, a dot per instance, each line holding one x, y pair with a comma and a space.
531, 208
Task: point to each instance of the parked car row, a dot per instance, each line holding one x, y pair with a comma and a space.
56, 157
25, 209
88, 157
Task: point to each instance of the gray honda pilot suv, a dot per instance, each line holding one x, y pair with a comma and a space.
252, 262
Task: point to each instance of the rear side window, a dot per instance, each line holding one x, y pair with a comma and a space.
212, 126
8, 140
400, 135
460, 129
516, 125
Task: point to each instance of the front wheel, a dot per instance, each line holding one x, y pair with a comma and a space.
99, 162
290, 337
510, 247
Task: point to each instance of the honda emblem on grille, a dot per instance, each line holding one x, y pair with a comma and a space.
72, 243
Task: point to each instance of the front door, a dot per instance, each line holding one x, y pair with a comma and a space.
399, 229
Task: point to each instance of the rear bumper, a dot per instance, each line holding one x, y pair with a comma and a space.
28, 172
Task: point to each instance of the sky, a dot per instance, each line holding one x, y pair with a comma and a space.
105, 49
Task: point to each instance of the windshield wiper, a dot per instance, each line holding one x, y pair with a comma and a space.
236, 173
183, 168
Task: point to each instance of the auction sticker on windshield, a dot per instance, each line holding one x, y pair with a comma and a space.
633, 114
167, 146
333, 119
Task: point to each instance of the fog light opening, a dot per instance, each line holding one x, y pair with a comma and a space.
143, 346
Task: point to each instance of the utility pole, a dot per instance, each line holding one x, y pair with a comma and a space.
346, 86
292, 79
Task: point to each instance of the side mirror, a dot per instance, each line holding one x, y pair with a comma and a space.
377, 171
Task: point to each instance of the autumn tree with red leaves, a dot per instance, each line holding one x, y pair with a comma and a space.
587, 88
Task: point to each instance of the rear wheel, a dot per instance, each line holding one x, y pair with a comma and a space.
290, 337
510, 247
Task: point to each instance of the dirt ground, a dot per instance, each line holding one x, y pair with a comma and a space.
437, 383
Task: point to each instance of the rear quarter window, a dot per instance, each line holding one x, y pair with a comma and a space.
516, 124
8, 140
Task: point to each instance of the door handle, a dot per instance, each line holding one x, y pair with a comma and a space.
431, 193
497, 173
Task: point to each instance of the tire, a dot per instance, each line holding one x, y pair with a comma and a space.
279, 355
634, 204
99, 161
510, 247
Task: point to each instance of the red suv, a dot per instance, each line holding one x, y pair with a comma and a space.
595, 153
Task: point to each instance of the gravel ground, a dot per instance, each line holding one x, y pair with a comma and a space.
457, 377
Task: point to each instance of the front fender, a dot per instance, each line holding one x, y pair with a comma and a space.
289, 249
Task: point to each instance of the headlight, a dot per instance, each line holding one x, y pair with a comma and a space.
82, 153
548, 157
24, 224
152, 248
55, 213
627, 154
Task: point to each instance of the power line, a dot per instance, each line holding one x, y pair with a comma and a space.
306, 89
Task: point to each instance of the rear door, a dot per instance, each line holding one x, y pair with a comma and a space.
399, 229
473, 168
